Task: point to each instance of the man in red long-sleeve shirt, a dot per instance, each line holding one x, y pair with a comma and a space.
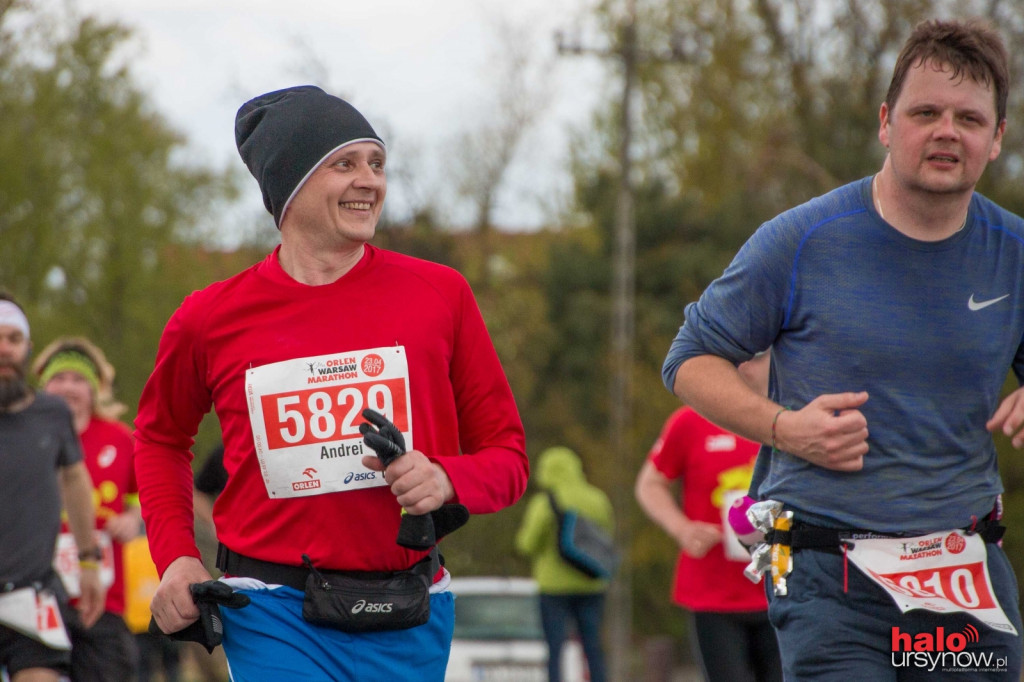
289, 353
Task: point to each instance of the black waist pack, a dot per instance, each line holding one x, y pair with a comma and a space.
370, 602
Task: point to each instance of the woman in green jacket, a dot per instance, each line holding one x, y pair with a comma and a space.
565, 592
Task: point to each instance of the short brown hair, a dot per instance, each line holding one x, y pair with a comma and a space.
971, 48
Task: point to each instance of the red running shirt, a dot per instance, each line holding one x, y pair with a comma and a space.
711, 463
108, 450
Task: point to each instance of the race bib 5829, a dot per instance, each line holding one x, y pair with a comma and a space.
305, 415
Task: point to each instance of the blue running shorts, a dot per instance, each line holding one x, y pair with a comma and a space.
270, 640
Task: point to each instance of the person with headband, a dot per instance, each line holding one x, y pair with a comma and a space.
289, 353
40, 466
75, 369
894, 309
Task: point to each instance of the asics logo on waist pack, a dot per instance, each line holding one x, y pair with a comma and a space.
371, 607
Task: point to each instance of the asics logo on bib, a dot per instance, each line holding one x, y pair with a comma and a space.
362, 606
364, 476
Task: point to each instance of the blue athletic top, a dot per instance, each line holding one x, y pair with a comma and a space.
848, 303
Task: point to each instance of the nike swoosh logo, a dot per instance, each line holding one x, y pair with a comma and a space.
978, 305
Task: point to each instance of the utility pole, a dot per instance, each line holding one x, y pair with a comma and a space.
623, 332
623, 322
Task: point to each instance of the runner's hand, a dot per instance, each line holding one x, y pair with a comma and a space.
1009, 418
209, 629
173, 607
829, 431
420, 485
696, 538
91, 602
123, 527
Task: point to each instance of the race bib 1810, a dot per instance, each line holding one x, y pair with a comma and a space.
305, 415
944, 572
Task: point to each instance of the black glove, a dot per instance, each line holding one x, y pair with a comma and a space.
387, 441
448, 518
417, 532
208, 630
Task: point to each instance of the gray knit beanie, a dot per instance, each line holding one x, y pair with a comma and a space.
283, 136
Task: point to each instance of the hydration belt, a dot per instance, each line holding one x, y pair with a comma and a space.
806, 536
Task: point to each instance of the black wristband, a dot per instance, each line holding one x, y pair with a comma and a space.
93, 554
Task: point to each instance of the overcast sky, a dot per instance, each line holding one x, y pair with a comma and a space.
420, 70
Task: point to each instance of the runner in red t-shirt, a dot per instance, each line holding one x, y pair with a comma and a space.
77, 371
729, 627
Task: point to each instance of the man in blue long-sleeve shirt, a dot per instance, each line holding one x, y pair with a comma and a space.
894, 308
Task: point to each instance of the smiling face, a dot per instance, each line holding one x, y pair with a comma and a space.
942, 131
341, 201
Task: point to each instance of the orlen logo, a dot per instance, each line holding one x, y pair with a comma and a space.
363, 476
376, 607
311, 484
940, 641
955, 543
372, 365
